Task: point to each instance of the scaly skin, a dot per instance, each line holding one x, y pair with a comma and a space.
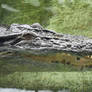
64, 58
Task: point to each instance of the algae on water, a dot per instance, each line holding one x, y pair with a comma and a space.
65, 16
28, 12
72, 17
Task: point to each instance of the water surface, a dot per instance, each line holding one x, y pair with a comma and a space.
19, 90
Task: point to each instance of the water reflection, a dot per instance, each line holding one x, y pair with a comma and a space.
18, 90
64, 90
45, 91
9, 8
14, 90
25, 11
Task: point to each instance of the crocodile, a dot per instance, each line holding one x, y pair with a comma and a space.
45, 45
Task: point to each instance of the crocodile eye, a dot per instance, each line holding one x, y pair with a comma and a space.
78, 58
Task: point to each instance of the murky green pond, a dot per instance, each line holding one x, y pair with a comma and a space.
25, 11
64, 16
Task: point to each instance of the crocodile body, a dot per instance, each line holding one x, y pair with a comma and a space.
64, 48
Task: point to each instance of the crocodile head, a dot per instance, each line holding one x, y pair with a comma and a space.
62, 48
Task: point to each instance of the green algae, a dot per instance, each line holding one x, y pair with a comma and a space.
69, 17
74, 81
72, 17
28, 13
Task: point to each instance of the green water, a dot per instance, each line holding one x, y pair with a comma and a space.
25, 11
64, 16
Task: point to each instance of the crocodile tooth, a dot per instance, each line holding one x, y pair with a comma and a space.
68, 54
91, 56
